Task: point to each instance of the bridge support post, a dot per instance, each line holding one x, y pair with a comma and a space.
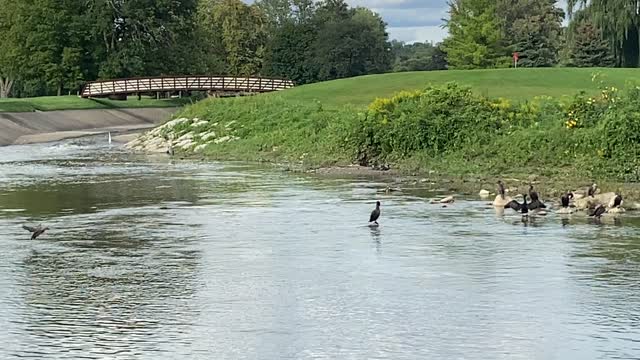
157, 95
139, 96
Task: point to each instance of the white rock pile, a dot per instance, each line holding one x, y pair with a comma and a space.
183, 134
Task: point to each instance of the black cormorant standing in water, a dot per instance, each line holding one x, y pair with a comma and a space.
501, 189
37, 231
523, 208
564, 199
535, 200
375, 214
598, 211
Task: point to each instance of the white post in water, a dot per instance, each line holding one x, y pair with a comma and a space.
109, 137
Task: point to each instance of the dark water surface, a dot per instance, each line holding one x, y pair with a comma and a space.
152, 260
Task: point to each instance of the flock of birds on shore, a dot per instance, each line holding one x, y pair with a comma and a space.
595, 211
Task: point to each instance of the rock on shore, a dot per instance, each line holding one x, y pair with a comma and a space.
185, 135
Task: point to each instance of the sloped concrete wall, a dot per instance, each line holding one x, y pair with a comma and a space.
24, 127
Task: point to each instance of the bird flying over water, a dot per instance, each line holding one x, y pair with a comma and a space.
37, 231
523, 208
375, 214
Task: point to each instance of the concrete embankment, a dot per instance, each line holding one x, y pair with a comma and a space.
33, 127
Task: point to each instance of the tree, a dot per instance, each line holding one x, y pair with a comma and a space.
142, 37
619, 21
276, 12
243, 31
475, 38
417, 57
589, 48
289, 53
352, 42
8, 48
533, 28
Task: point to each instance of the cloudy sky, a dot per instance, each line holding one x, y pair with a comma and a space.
412, 20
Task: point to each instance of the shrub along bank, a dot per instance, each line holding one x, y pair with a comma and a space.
446, 128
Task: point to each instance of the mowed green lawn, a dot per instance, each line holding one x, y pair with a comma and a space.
49, 103
514, 84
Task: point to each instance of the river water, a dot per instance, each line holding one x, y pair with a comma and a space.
149, 259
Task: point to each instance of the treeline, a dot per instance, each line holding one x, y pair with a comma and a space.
53, 46
485, 33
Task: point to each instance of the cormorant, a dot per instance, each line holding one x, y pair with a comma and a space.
375, 214
524, 208
501, 189
598, 211
37, 231
535, 200
591, 191
564, 199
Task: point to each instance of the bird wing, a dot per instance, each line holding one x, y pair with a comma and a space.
29, 228
513, 205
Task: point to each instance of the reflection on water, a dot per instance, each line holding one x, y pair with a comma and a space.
158, 260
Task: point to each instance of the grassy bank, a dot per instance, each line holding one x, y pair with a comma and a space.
50, 103
513, 84
446, 128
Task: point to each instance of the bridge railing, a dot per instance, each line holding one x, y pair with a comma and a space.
184, 83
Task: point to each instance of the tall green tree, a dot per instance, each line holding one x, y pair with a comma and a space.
243, 31
475, 38
417, 57
350, 42
533, 28
619, 21
537, 36
589, 49
143, 37
8, 48
289, 53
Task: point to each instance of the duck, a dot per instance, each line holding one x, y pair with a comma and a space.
36, 231
375, 214
535, 200
523, 208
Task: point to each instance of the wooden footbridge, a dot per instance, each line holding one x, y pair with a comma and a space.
172, 84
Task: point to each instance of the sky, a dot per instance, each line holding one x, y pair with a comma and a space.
412, 20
